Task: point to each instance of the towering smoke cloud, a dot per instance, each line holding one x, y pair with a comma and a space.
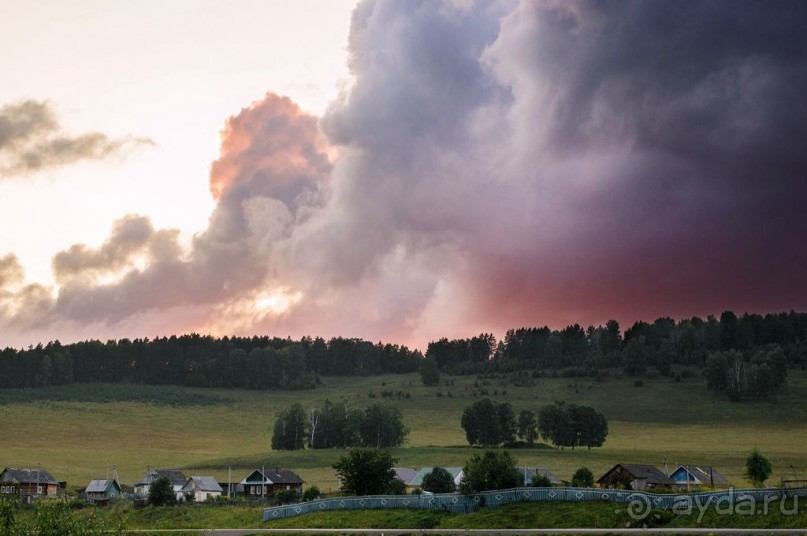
495, 164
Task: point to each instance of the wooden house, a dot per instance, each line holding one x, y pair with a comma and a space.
203, 488
28, 483
263, 483
102, 491
689, 476
635, 475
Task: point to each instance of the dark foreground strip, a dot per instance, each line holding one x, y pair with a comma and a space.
484, 532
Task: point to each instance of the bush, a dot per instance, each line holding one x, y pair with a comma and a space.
583, 478
397, 487
541, 481
311, 494
286, 496
757, 468
439, 481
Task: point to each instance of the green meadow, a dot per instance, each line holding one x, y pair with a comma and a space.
77, 432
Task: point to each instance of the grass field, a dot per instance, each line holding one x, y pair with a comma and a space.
513, 516
76, 434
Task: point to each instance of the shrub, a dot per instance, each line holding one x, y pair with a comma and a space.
311, 494
286, 496
541, 481
583, 478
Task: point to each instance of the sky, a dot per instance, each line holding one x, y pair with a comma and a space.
400, 170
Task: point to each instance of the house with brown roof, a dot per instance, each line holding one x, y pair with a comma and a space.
636, 476
263, 483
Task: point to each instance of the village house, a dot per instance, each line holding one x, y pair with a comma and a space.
406, 475
263, 483
202, 488
634, 475
178, 480
689, 476
102, 491
28, 483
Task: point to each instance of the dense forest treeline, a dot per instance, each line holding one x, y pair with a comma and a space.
203, 361
759, 350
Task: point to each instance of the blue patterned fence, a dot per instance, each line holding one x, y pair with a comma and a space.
462, 504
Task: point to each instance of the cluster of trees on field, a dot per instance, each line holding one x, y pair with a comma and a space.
747, 374
489, 423
203, 361
337, 425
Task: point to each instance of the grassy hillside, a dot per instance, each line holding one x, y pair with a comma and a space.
76, 431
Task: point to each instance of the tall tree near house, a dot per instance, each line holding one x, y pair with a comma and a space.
488, 471
439, 481
161, 492
365, 472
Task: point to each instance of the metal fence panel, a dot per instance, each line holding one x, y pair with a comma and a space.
463, 504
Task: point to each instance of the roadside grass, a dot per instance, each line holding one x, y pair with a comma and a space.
76, 437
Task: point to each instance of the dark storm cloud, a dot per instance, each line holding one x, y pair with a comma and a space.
497, 164
32, 139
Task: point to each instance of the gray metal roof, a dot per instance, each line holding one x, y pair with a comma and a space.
27, 476
405, 474
201, 483
100, 486
175, 476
